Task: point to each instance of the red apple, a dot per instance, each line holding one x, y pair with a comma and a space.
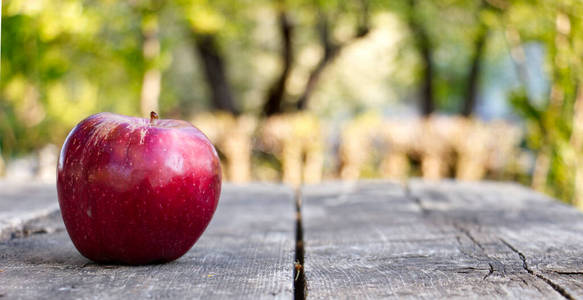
134, 190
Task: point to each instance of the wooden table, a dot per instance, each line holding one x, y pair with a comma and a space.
368, 239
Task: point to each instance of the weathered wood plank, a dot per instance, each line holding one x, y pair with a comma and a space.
247, 252
541, 233
377, 239
23, 202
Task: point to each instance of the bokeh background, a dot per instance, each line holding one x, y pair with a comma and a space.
304, 91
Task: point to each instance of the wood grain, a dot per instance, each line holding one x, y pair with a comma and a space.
247, 252
444, 240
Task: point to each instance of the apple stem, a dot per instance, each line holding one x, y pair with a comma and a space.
153, 117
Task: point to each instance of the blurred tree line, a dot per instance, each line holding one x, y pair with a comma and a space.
65, 59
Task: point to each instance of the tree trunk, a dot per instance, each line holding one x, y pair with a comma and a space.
427, 101
273, 104
471, 94
150, 91
427, 104
214, 69
151, 81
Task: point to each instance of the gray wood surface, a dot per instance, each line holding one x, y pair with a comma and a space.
367, 239
23, 202
439, 240
246, 252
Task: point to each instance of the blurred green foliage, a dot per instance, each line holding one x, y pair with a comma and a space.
63, 60
553, 124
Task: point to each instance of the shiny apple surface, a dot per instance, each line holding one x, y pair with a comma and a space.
134, 190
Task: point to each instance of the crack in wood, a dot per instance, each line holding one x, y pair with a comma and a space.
490, 272
559, 289
494, 265
468, 234
474, 240
568, 272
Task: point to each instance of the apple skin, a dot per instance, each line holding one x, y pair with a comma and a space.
136, 191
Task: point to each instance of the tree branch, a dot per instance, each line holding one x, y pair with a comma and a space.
332, 50
471, 93
426, 52
222, 98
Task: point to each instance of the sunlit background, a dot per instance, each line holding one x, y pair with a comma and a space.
303, 91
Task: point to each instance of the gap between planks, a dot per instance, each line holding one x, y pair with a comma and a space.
300, 283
